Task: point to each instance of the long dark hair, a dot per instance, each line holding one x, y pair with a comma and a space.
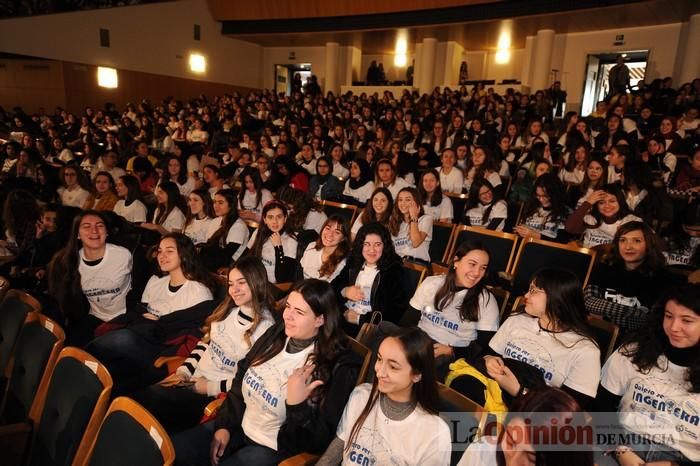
587, 182
133, 188
230, 218
436, 198
554, 188
330, 341
342, 249
368, 213
647, 344
64, 273
473, 200
255, 275
565, 304
182, 174
616, 190
254, 175
190, 262
536, 407
469, 307
263, 231
174, 200
207, 207
654, 259
397, 218
389, 256
418, 348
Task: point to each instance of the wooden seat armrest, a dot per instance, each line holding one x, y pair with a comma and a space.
302, 459
213, 407
170, 362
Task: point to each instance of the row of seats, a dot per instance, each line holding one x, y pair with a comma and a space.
55, 407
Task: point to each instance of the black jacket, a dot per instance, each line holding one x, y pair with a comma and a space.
308, 427
389, 294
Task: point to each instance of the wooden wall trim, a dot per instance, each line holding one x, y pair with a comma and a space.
465, 13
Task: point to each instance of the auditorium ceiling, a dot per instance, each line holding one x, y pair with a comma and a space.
377, 33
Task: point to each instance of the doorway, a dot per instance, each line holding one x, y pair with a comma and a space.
285, 73
598, 66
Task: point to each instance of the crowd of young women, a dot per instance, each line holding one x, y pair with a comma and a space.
130, 277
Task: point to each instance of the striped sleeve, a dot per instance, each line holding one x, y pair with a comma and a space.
190, 365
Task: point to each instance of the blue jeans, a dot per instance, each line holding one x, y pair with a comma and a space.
192, 449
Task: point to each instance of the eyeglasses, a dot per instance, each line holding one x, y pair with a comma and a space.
533, 290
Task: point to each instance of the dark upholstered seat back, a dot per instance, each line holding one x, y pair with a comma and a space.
34, 347
12, 314
122, 440
71, 399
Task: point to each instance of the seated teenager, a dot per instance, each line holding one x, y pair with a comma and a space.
436, 204
105, 197
275, 244
552, 336
227, 243
169, 216
74, 191
372, 281
624, 287
360, 183
387, 177
89, 278
129, 204
325, 258
545, 211
652, 381
378, 209
599, 216
381, 421
485, 207
200, 223
519, 442
411, 229
451, 176
172, 305
289, 391
594, 179
253, 196
324, 185
178, 400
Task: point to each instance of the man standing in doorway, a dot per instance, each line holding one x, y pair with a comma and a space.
618, 78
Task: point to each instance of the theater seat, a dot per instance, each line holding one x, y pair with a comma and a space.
130, 435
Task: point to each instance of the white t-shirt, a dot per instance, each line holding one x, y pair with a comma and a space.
480, 453
106, 284
492, 177
402, 241
419, 439
499, 210
187, 187
160, 301
200, 230
250, 205
399, 184
311, 264
365, 280
574, 177
362, 193
74, 198
265, 393
447, 326
339, 171
134, 212
227, 346
658, 403
267, 256
452, 182
444, 210
356, 225
238, 234
564, 358
174, 221
315, 220
605, 233
540, 222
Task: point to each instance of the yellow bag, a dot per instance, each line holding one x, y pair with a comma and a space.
492, 393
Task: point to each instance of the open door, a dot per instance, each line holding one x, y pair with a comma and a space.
591, 83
